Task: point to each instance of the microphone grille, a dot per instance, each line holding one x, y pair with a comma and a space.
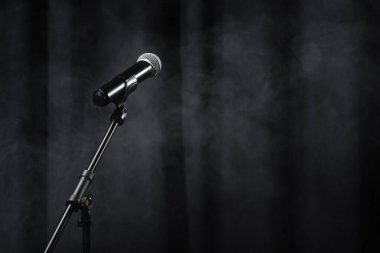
153, 60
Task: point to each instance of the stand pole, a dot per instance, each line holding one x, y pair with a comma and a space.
85, 223
73, 204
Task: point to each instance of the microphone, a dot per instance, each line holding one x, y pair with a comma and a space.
118, 89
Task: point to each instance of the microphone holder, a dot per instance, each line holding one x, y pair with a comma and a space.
78, 200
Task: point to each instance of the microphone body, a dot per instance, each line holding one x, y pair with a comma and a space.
118, 89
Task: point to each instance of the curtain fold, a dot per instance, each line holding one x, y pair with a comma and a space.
259, 135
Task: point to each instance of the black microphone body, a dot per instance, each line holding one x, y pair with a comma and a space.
118, 89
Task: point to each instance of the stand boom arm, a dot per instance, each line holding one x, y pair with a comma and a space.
73, 203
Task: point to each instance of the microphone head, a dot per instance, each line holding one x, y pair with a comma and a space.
153, 60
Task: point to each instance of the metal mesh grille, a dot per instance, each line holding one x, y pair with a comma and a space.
153, 60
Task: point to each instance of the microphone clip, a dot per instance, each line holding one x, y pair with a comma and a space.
119, 114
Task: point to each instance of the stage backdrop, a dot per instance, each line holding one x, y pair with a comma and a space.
261, 133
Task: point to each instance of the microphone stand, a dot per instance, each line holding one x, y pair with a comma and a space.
78, 200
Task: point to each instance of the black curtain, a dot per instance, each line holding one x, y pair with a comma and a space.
261, 133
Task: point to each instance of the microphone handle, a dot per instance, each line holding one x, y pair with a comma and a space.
121, 86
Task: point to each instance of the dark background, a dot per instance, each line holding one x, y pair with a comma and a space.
261, 133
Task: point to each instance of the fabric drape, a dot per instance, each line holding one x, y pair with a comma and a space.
261, 133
